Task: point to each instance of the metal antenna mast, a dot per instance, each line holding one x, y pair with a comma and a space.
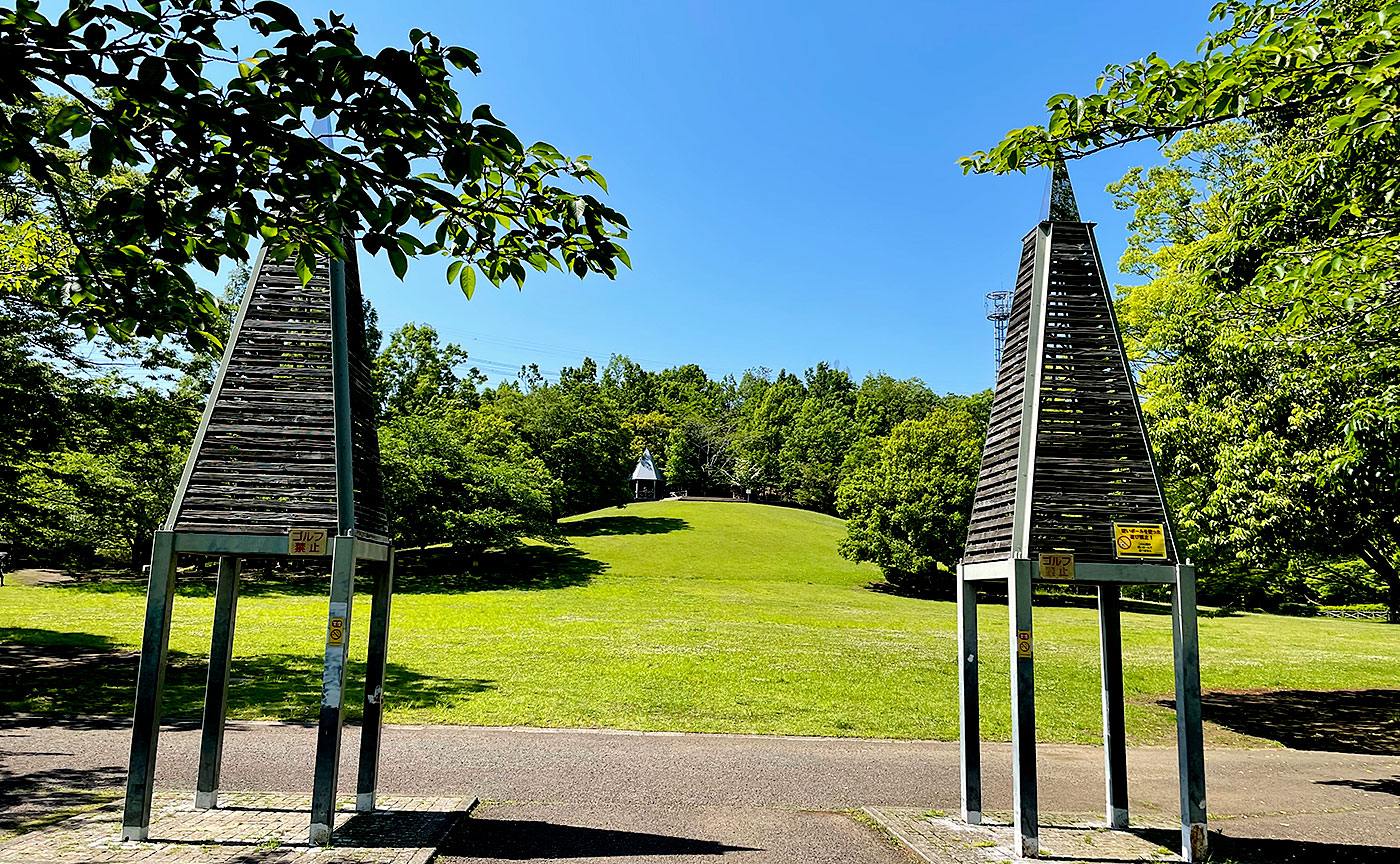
999, 312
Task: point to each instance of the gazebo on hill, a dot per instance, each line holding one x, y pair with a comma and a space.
646, 480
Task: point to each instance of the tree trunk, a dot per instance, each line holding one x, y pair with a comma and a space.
1380, 562
141, 550
1392, 586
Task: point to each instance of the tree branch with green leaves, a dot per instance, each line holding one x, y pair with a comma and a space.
223, 145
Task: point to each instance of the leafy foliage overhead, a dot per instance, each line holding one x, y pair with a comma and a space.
1318, 233
222, 139
1274, 61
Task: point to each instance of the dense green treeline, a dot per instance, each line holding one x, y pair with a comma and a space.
456, 452
96, 433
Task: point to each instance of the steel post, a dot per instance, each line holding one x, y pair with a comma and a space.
150, 687
969, 725
1190, 748
211, 744
1025, 809
374, 685
323, 790
1115, 742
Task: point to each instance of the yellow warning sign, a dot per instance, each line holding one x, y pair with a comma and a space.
1023, 643
1057, 566
336, 634
1139, 541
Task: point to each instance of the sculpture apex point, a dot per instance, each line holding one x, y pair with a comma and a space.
1059, 204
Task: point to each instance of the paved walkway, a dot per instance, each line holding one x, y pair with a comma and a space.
247, 828
607, 796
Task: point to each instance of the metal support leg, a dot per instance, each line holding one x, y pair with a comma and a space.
1115, 742
970, 725
374, 686
211, 745
150, 685
1026, 816
1190, 748
323, 791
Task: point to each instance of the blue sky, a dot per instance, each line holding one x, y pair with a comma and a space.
789, 170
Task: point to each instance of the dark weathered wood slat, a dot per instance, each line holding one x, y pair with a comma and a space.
268, 456
989, 531
1091, 461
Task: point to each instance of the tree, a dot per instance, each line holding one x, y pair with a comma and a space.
1265, 462
700, 454
222, 143
766, 416
579, 438
1278, 273
1315, 237
907, 498
883, 402
822, 432
415, 370
452, 475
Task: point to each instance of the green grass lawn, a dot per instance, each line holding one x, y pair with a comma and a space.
663, 616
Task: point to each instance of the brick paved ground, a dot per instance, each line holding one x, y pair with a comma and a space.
247, 828
942, 840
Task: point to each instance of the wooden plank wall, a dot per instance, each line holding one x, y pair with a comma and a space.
989, 532
1091, 461
371, 520
268, 458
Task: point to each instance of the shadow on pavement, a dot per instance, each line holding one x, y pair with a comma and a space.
524, 839
394, 829
51, 672
47, 794
1251, 850
1339, 721
1383, 785
600, 526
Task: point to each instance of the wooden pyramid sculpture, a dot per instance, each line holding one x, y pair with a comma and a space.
1068, 492
1066, 456
285, 464
265, 460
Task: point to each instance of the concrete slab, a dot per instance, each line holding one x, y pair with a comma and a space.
938, 839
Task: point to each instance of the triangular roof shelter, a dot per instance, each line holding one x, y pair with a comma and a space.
646, 467
1066, 455
1068, 492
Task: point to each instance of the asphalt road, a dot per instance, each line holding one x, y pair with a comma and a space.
619, 796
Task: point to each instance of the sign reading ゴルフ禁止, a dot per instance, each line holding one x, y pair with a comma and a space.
307, 541
1139, 541
1057, 566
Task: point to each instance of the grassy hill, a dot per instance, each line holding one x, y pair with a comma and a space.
665, 616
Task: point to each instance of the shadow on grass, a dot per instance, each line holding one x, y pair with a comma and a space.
532, 567
607, 526
1252, 850
417, 571
1342, 721
50, 672
528, 840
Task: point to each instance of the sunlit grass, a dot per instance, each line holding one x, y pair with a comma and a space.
680, 616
